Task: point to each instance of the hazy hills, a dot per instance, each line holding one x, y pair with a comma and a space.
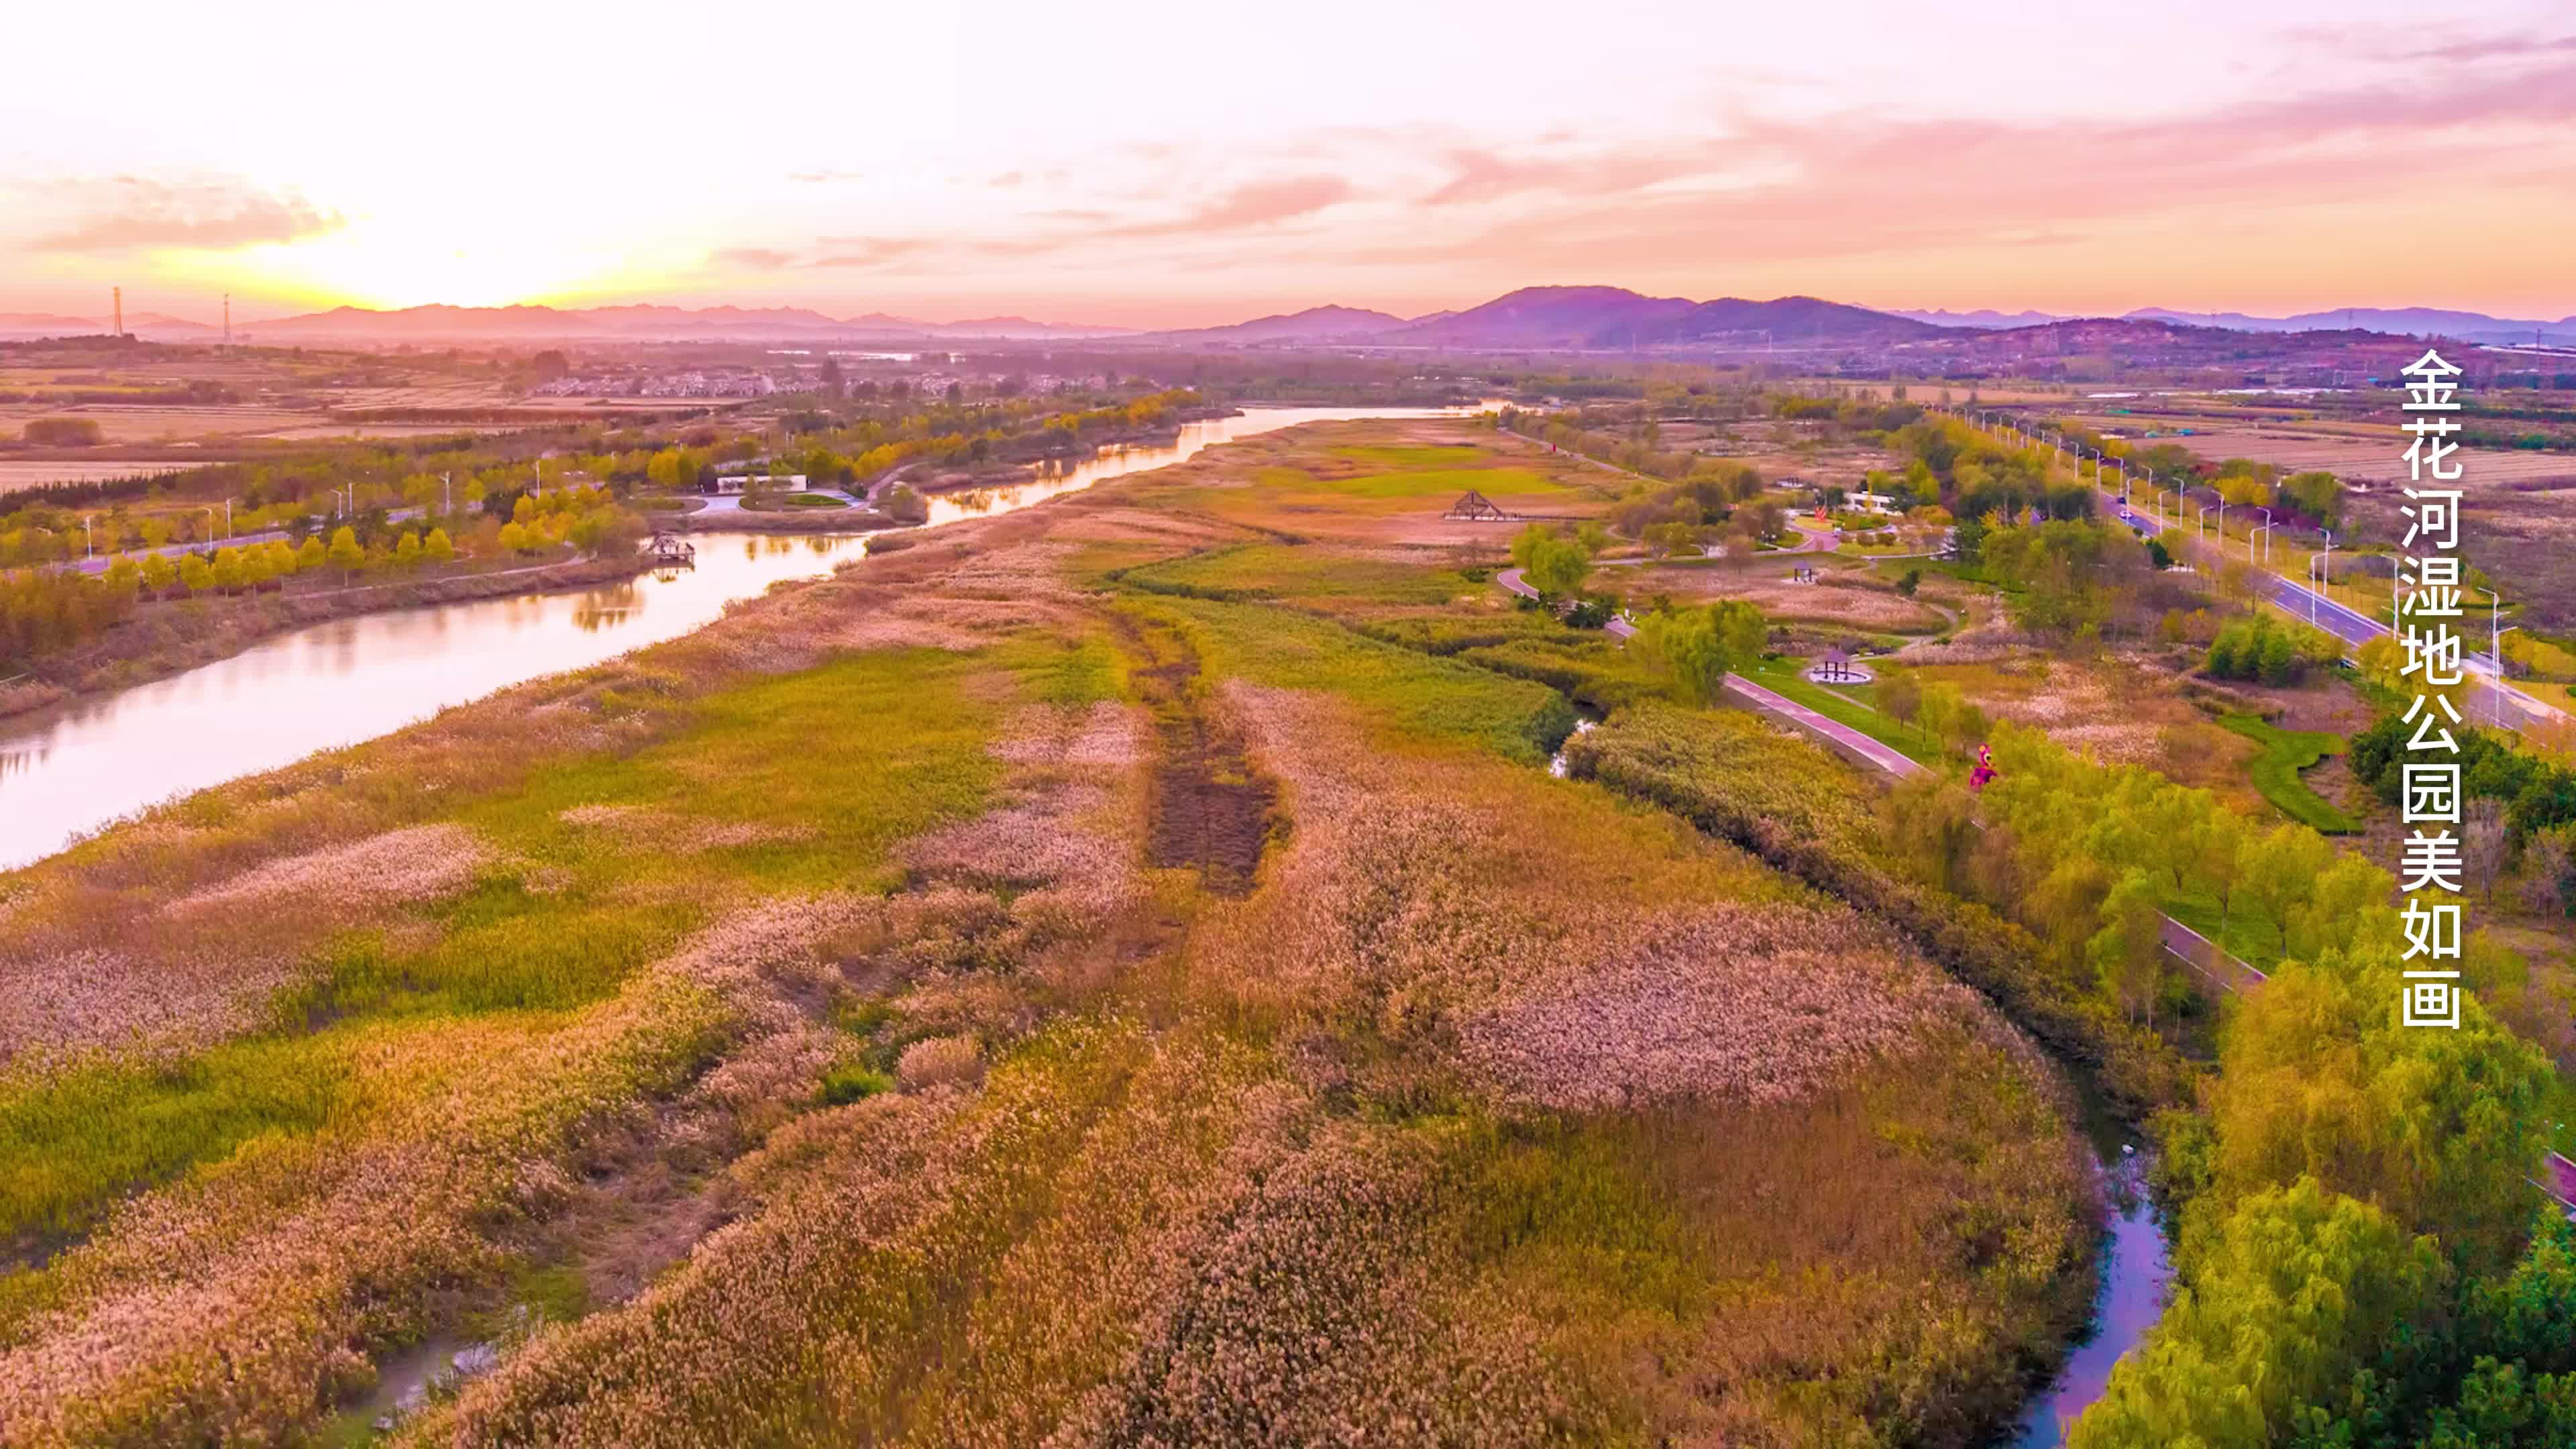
1530, 319
2397, 321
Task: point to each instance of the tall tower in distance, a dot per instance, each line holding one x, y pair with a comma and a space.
119, 294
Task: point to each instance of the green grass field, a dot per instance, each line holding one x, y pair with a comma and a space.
1297, 571
2276, 772
1843, 704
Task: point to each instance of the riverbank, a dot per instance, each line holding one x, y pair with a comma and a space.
781, 520
163, 639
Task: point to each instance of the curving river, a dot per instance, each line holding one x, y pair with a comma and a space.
67, 771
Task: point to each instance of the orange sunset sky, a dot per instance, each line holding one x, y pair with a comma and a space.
1161, 165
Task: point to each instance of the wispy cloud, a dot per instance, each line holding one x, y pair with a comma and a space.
861, 252
1256, 204
749, 259
129, 213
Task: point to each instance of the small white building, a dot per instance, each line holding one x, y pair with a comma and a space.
737, 482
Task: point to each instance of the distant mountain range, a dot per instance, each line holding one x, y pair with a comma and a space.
1532, 318
1984, 317
1315, 324
1611, 318
2397, 321
151, 326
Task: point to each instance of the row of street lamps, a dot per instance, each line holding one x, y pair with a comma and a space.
344, 501
2320, 564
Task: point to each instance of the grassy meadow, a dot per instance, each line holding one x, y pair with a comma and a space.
1113, 973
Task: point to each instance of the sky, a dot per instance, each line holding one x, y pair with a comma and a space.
1161, 165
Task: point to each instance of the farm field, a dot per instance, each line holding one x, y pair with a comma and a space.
16, 474
1117, 972
2370, 454
123, 424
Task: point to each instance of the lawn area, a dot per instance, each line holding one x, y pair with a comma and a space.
2276, 771
1497, 482
1844, 704
2252, 936
1432, 455
1416, 694
1299, 571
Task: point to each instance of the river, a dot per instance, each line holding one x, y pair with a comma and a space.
68, 771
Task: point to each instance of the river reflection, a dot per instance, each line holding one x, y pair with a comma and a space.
73, 769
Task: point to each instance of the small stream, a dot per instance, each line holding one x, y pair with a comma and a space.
2137, 1268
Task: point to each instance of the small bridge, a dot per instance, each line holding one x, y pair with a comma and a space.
669, 548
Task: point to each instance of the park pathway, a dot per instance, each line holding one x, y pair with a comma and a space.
2184, 944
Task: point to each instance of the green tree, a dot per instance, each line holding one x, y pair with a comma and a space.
2127, 954
227, 570
438, 548
1697, 648
159, 572
1900, 695
1553, 565
2316, 494
345, 555
124, 575
2295, 1290
2280, 658
2322, 1079
195, 573
407, 552
310, 554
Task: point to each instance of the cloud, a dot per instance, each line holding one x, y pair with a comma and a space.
1256, 204
749, 259
1777, 192
860, 251
821, 178
128, 213
1480, 175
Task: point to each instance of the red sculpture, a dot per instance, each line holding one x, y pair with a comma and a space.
1985, 769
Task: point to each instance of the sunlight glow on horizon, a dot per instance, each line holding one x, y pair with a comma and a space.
1183, 167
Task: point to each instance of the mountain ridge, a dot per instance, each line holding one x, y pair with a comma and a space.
1537, 317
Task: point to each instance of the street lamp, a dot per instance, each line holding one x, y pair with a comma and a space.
2322, 565
2495, 647
210, 520
87, 547
2267, 539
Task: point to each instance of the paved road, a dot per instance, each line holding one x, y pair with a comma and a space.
2186, 944
2355, 628
240, 540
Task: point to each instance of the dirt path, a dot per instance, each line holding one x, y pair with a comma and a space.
1209, 809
